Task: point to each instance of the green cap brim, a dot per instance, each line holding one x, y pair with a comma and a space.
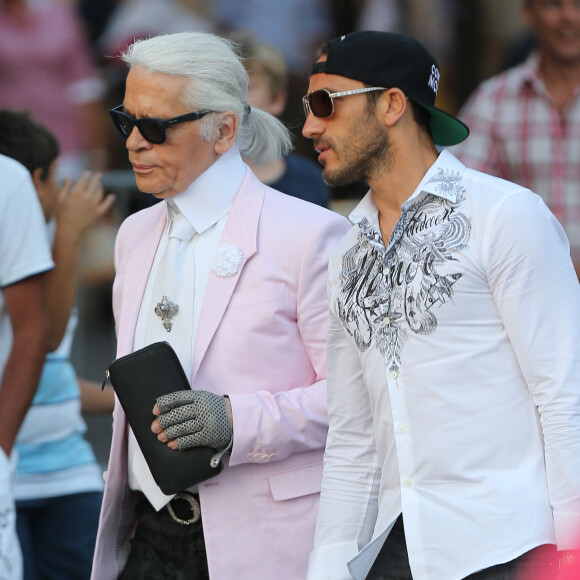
446, 130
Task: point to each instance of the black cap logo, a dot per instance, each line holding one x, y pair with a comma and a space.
434, 79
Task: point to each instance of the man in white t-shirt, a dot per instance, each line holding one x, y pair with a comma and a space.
24, 257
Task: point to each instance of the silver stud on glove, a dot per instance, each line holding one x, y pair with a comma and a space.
195, 419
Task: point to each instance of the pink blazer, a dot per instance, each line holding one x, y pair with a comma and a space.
262, 341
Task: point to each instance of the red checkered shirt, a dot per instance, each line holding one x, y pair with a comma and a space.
518, 133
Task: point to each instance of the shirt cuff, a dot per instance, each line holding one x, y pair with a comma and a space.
567, 525
329, 562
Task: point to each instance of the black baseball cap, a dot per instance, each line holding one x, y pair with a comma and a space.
392, 60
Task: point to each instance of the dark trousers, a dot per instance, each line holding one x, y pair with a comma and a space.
163, 549
392, 563
57, 535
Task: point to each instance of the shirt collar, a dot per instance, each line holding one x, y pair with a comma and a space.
443, 179
211, 195
530, 74
531, 78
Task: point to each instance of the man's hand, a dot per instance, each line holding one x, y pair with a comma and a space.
192, 419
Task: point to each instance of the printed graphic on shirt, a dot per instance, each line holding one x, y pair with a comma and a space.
382, 288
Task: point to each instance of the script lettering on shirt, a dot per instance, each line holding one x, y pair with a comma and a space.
397, 274
369, 283
423, 220
382, 288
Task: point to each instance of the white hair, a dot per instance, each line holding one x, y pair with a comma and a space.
219, 82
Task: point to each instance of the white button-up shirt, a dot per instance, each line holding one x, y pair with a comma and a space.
453, 382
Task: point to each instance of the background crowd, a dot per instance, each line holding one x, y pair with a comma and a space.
58, 60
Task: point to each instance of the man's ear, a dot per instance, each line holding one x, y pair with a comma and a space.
391, 106
227, 132
37, 178
43, 192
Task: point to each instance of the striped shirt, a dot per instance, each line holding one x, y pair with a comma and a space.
518, 133
54, 458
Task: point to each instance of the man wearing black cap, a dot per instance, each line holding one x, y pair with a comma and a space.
453, 361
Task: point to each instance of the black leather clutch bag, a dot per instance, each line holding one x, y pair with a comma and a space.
138, 379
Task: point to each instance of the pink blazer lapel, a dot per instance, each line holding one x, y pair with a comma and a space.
240, 230
141, 252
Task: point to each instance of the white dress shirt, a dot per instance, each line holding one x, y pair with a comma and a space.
453, 382
206, 204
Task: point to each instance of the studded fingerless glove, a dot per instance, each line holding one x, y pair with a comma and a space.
195, 419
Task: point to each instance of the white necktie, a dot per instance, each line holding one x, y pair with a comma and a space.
174, 286
171, 318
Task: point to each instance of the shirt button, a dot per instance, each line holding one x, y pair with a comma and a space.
401, 428
408, 482
394, 374
386, 320
386, 271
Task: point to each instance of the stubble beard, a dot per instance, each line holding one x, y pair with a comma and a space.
368, 153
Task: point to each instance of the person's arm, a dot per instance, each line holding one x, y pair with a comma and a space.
349, 498
94, 398
294, 420
25, 305
79, 206
537, 294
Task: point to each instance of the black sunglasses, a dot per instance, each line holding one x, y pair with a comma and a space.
153, 130
320, 103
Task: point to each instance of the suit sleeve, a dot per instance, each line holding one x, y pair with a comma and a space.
294, 420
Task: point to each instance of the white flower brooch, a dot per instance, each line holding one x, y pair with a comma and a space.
226, 260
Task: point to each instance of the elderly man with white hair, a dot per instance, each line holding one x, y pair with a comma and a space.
247, 318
